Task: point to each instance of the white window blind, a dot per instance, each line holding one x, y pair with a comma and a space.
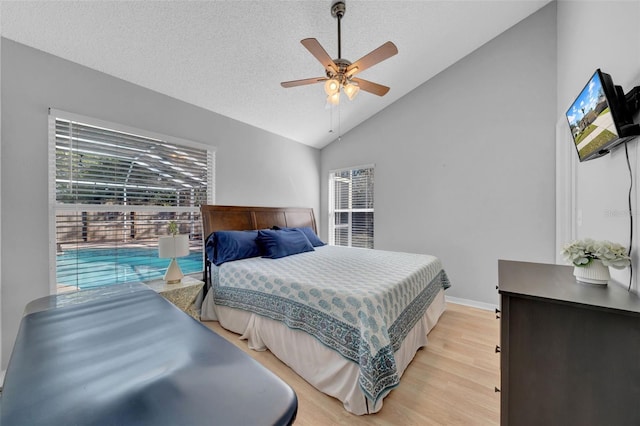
351, 207
113, 192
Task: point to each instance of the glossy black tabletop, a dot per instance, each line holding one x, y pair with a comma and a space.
126, 356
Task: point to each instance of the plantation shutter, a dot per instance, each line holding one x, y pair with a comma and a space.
116, 189
351, 207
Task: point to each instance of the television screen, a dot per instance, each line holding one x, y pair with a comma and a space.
591, 120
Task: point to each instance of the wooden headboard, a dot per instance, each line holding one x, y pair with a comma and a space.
242, 218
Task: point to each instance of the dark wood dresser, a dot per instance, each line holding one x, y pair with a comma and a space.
570, 352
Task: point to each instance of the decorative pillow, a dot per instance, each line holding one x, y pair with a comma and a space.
285, 242
313, 238
225, 246
308, 232
210, 247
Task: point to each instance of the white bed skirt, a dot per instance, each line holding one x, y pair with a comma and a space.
324, 368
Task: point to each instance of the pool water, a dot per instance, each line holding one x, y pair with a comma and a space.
87, 268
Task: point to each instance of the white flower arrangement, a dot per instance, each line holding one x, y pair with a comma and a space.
582, 252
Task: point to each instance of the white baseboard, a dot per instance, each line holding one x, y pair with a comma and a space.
472, 303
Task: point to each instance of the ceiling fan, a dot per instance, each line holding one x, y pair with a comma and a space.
340, 73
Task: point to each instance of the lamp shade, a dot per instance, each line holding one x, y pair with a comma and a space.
332, 86
351, 90
173, 246
334, 99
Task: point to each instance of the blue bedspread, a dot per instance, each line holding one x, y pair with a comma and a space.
359, 302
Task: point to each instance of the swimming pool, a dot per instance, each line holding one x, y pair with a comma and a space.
93, 267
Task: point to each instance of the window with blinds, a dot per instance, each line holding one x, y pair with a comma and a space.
113, 192
351, 207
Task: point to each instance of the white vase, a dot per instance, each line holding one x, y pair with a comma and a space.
594, 273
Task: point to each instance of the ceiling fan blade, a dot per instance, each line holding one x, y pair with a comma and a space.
383, 52
368, 86
295, 83
321, 55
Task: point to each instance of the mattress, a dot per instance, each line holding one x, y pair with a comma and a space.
362, 313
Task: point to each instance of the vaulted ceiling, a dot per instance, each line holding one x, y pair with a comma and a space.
230, 56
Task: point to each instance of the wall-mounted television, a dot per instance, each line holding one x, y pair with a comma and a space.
599, 118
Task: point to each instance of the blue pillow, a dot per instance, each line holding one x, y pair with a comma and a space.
277, 244
311, 236
225, 246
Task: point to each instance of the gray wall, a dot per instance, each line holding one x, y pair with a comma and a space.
253, 167
596, 190
465, 164
1, 364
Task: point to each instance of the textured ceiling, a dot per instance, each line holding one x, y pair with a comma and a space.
230, 56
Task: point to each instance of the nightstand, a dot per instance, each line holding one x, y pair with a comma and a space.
182, 294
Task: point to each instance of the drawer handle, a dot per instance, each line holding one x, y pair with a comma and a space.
497, 349
496, 389
497, 311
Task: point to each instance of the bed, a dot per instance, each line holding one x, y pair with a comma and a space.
347, 320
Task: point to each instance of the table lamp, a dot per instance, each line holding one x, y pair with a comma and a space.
170, 248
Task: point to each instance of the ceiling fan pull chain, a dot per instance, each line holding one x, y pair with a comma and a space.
339, 127
330, 119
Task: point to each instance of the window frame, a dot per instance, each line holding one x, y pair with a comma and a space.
54, 207
350, 211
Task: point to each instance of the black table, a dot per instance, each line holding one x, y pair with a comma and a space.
123, 355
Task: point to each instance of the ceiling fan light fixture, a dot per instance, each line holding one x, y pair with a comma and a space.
351, 90
339, 71
334, 99
351, 72
332, 86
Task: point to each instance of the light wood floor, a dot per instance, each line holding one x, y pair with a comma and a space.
449, 382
